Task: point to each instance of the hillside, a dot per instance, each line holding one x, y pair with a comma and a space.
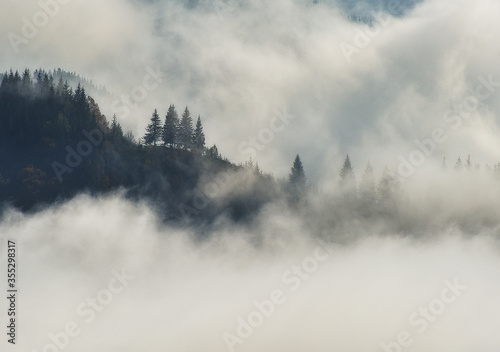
55, 143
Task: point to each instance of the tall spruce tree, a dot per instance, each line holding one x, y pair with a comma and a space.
213, 152
199, 136
154, 130
170, 128
186, 130
347, 177
115, 130
297, 177
468, 163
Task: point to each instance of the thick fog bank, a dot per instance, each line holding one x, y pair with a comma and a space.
108, 273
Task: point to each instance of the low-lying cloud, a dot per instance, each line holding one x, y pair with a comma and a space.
159, 286
179, 293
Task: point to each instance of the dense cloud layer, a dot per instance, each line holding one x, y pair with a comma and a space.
185, 296
337, 86
236, 62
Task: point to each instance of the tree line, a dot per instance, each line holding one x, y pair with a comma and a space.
178, 133
45, 122
55, 143
368, 189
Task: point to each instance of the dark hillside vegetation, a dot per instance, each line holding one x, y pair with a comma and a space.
54, 143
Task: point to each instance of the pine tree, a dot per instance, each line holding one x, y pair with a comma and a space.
186, 130
468, 164
39, 82
67, 92
59, 87
296, 182
170, 128
80, 97
249, 164
153, 131
297, 177
27, 83
80, 108
347, 177
458, 164
213, 152
257, 170
116, 130
199, 136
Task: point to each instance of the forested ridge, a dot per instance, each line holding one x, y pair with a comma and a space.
55, 143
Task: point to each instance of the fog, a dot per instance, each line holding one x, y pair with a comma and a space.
422, 88
185, 294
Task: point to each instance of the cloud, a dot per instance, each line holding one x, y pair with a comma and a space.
236, 63
358, 296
